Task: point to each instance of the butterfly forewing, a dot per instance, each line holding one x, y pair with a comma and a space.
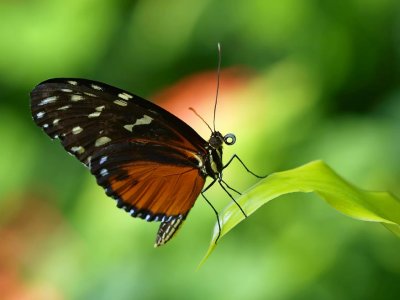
144, 157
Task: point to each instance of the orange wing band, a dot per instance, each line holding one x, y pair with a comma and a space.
158, 189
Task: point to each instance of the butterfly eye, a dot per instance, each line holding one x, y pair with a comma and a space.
230, 139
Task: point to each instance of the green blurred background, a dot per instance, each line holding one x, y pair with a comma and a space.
301, 80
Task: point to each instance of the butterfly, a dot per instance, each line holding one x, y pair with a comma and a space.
151, 162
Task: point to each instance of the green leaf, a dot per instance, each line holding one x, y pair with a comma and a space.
315, 177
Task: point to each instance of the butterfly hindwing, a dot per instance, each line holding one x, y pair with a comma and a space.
148, 180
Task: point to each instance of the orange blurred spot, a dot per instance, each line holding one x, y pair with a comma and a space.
23, 239
199, 91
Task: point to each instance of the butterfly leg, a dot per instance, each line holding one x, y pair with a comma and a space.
247, 169
213, 208
208, 186
233, 199
221, 182
229, 187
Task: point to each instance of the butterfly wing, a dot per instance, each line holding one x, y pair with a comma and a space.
150, 181
143, 156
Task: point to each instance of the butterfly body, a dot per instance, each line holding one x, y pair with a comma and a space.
151, 162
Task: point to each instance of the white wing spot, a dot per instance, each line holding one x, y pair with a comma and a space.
90, 94
102, 140
76, 98
77, 130
125, 96
142, 121
94, 115
128, 127
45, 125
100, 108
121, 102
89, 162
48, 100
55, 122
66, 90
73, 82
103, 160
78, 149
104, 172
40, 114
96, 87
63, 107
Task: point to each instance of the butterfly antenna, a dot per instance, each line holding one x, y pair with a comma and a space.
218, 75
195, 112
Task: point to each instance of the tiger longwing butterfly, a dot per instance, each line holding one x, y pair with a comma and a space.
152, 163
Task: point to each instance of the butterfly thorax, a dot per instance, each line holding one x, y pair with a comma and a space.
213, 160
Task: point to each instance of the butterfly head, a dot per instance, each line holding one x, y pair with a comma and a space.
217, 139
